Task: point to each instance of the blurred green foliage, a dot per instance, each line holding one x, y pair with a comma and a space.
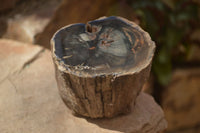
170, 23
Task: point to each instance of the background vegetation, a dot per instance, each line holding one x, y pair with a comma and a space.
170, 24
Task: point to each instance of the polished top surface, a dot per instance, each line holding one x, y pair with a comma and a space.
105, 45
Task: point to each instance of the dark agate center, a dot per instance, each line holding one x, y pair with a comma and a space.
109, 44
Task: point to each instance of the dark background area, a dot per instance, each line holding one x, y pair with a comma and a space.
172, 24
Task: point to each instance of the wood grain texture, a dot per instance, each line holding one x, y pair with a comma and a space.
101, 66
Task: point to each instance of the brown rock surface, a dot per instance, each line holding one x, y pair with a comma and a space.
149, 85
28, 18
29, 100
3, 27
67, 13
181, 100
7, 4
190, 130
194, 55
83, 12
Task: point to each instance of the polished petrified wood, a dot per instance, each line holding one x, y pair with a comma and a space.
101, 66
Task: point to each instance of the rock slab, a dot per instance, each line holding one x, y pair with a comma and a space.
29, 99
180, 100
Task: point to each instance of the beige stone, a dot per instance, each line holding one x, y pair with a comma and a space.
30, 103
24, 28
181, 98
14, 56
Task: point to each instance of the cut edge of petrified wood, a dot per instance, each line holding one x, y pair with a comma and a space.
140, 66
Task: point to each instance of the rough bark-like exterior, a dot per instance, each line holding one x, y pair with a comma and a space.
100, 96
104, 94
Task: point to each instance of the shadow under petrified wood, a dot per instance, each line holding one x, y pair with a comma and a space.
101, 66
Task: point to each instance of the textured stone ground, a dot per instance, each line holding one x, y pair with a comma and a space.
30, 103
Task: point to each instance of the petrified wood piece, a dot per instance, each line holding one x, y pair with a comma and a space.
101, 66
